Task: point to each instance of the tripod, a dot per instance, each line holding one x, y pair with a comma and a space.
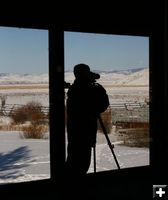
111, 146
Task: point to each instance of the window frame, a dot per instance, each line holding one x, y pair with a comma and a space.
56, 94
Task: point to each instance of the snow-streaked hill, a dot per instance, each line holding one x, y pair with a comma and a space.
10, 78
139, 77
126, 77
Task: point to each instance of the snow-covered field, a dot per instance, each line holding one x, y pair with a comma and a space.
23, 159
121, 86
22, 94
28, 159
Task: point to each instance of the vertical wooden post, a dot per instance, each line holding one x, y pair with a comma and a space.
56, 91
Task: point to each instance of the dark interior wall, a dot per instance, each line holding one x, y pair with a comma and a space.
133, 19
125, 17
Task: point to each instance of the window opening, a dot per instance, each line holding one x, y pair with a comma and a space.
24, 105
123, 64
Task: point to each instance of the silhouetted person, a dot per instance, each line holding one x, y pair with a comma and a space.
86, 99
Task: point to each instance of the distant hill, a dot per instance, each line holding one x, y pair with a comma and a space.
121, 77
127, 71
10, 78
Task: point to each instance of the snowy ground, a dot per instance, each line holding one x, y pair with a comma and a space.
18, 95
29, 159
23, 159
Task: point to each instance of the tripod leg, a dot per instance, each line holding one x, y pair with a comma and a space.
94, 158
111, 146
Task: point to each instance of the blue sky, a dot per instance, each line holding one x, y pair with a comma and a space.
23, 50
26, 51
106, 52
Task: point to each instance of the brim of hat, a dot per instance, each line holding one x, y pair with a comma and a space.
94, 75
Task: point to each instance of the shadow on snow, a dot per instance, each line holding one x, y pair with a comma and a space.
13, 161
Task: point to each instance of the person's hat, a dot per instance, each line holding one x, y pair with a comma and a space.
83, 71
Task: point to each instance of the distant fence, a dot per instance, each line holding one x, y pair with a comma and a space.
130, 112
129, 105
8, 109
123, 111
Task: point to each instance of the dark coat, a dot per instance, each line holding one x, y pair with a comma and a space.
85, 102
